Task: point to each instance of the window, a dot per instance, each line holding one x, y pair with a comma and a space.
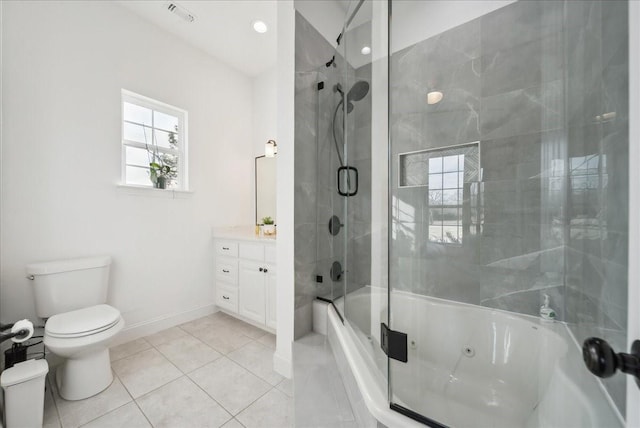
154, 143
447, 174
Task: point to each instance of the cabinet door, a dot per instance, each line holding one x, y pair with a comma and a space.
251, 285
271, 296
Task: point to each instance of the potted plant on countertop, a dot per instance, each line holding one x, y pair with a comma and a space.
268, 227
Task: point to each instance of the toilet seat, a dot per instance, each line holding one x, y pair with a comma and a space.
82, 322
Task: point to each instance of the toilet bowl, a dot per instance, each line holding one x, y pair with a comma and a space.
82, 337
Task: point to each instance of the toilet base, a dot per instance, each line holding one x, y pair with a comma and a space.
80, 378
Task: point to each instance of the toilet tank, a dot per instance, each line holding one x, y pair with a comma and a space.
66, 285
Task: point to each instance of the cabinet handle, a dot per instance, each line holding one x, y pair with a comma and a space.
225, 297
225, 248
260, 269
225, 271
265, 270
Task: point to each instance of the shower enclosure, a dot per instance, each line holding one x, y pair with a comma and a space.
468, 205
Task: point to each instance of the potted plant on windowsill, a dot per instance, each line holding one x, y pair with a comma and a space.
162, 166
268, 227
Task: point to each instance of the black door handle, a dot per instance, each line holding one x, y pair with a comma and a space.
603, 361
346, 170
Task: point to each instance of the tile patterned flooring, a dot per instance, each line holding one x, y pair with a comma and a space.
215, 371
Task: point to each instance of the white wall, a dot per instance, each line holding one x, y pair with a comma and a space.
285, 178
265, 123
265, 106
64, 64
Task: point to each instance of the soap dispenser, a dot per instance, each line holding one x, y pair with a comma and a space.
546, 313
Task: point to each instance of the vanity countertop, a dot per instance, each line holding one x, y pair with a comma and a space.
243, 233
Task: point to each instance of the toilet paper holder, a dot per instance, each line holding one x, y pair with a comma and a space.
20, 335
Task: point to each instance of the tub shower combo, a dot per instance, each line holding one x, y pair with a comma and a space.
462, 188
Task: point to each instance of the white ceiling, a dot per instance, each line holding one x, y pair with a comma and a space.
222, 28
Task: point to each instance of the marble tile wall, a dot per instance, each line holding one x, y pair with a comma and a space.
597, 214
316, 196
530, 82
311, 52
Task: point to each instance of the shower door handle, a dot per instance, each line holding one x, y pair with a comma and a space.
346, 170
603, 361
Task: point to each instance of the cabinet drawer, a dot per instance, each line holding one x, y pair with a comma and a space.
252, 251
227, 270
227, 248
270, 254
227, 297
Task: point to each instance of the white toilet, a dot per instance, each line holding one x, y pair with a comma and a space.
71, 294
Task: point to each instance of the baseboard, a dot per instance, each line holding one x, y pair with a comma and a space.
155, 325
282, 365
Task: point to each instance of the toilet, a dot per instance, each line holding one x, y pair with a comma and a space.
70, 295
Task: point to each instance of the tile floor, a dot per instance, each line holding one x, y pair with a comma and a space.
215, 371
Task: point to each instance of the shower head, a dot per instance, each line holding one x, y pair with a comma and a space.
358, 91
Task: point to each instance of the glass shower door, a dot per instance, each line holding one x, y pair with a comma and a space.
509, 144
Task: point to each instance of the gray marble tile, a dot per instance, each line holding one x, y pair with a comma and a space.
145, 371
76, 413
229, 384
188, 353
258, 359
128, 415
129, 348
274, 409
50, 418
523, 111
519, 23
182, 403
165, 336
523, 66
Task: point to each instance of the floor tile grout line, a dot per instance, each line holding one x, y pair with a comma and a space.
143, 413
254, 401
104, 414
214, 400
53, 398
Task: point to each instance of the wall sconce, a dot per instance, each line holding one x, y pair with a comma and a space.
270, 149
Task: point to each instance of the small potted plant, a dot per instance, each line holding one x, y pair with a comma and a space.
268, 227
162, 166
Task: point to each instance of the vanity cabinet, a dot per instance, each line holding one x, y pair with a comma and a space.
246, 280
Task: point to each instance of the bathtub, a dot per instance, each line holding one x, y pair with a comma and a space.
469, 366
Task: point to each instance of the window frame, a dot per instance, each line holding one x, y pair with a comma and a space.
181, 152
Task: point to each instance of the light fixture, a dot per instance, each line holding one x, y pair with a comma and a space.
365, 50
181, 12
270, 149
259, 26
434, 97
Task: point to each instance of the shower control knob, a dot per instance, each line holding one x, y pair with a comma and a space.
265, 270
260, 269
603, 361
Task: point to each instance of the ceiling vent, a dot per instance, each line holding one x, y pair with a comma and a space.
181, 12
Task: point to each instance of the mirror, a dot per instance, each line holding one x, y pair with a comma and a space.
265, 188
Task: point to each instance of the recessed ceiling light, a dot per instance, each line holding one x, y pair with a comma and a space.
366, 50
434, 97
260, 26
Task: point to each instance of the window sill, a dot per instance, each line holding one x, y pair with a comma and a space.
153, 192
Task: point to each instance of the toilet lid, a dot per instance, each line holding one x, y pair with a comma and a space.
82, 322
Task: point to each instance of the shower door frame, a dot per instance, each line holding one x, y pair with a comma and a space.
633, 322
